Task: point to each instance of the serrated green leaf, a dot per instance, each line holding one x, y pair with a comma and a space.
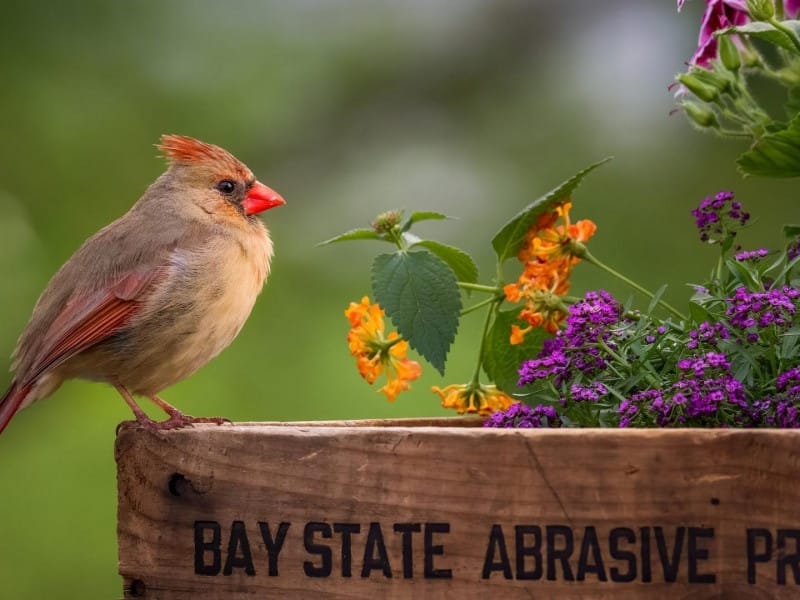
423, 215
775, 154
501, 360
766, 32
353, 234
418, 291
506, 241
462, 264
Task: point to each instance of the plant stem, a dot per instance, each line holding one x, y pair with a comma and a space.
487, 322
788, 32
591, 259
479, 288
480, 304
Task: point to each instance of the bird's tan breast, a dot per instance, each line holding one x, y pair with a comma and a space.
241, 270
203, 304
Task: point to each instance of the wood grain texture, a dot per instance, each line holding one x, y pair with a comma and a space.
549, 513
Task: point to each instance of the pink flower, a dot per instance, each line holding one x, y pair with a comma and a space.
791, 8
721, 14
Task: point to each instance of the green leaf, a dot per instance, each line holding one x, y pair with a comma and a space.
462, 264
353, 234
741, 272
698, 313
501, 360
766, 32
655, 299
790, 232
506, 241
423, 215
419, 293
775, 154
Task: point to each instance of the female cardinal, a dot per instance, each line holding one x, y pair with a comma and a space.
155, 295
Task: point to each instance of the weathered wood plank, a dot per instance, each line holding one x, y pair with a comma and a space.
421, 511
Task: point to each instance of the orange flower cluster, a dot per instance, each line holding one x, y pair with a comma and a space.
375, 353
551, 248
483, 399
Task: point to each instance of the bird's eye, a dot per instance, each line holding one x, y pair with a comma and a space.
226, 186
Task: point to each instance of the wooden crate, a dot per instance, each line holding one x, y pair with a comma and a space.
429, 509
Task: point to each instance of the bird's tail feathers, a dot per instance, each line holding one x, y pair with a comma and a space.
11, 401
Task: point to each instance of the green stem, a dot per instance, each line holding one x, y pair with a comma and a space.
591, 259
789, 33
735, 134
476, 287
487, 322
480, 304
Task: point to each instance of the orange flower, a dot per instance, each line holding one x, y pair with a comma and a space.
376, 353
561, 240
552, 247
469, 398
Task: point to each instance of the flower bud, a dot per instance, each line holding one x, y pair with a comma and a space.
789, 77
714, 79
705, 92
701, 115
387, 221
761, 10
729, 53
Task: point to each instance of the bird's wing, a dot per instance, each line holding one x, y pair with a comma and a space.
90, 317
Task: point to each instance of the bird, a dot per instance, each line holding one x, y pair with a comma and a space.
152, 297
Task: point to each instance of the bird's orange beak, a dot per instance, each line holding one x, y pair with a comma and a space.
260, 198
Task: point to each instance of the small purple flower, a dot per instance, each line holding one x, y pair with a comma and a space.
719, 14
708, 334
588, 393
748, 310
791, 8
651, 338
751, 255
719, 217
574, 348
523, 416
793, 249
629, 409
705, 386
774, 411
788, 382
550, 362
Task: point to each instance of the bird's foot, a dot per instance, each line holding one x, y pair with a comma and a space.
190, 420
177, 420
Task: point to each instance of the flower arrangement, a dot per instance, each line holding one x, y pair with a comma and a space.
731, 358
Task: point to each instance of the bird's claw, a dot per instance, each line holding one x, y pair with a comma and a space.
176, 421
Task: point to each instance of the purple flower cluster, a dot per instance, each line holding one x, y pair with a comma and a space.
793, 249
749, 311
789, 383
574, 349
751, 255
781, 409
775, 412
524, 416
719, 217
587, 393
651, 338
707, 333
705, 385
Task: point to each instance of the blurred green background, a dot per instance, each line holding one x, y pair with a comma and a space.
348, 108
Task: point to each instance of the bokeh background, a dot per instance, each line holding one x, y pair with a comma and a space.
348, 108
